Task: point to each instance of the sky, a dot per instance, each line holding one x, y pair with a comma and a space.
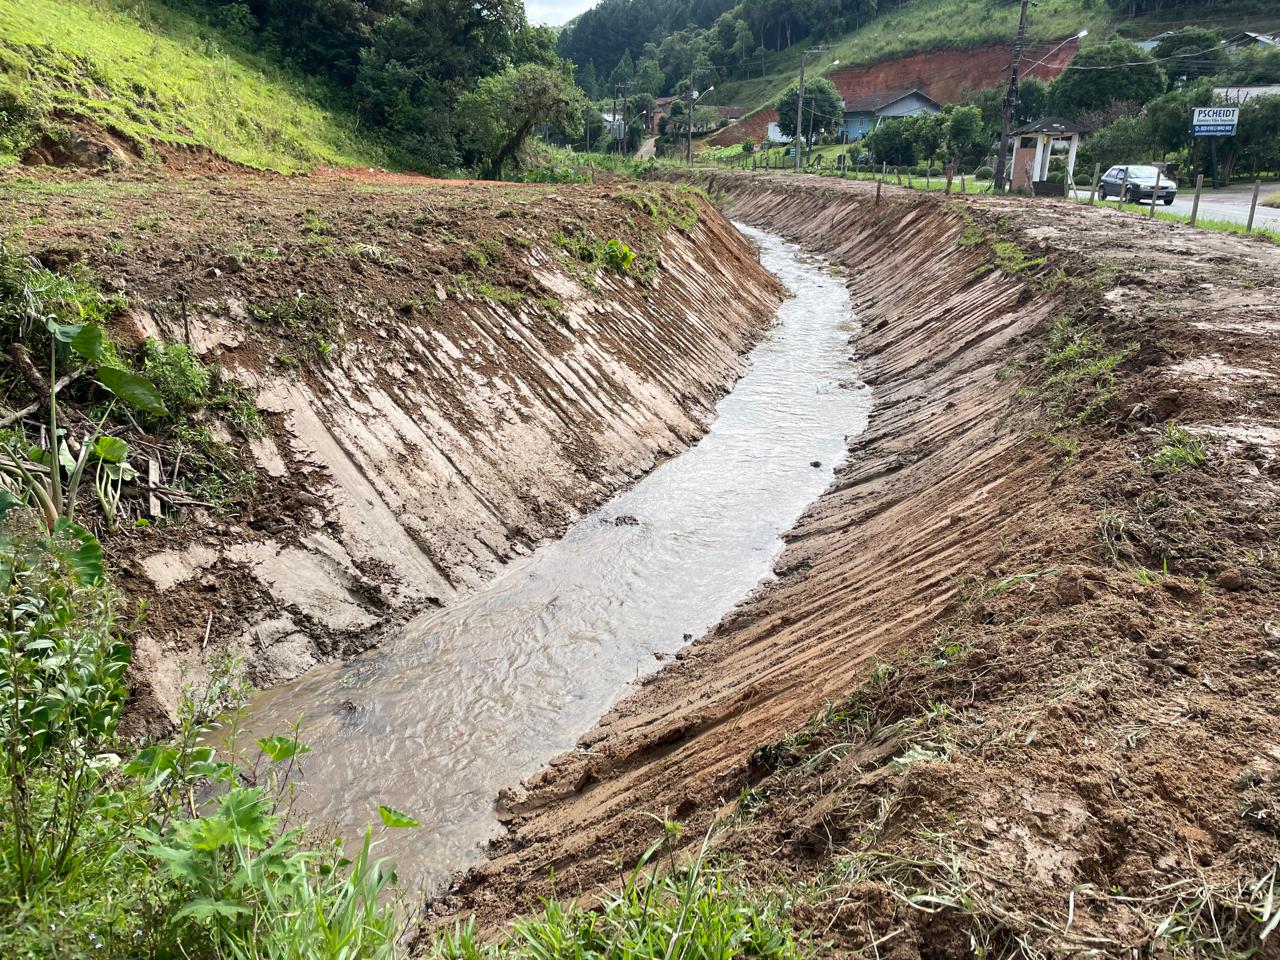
555, 12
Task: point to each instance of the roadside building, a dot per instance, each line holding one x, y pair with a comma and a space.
1245, 39
1033, 148
861, 114
1236, 96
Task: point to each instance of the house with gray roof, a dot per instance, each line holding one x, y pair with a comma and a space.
861, 114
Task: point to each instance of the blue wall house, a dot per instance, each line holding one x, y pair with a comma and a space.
861, 114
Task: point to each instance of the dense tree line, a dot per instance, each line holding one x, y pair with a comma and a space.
408, 68
659, 44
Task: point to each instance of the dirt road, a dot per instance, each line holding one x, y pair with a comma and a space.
1021, 658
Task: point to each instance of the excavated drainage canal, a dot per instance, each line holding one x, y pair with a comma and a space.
483, 693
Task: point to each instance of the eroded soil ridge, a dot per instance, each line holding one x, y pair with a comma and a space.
1015, 688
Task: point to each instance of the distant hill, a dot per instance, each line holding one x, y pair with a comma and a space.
751, 49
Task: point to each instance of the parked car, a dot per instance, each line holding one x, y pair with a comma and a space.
1141, 183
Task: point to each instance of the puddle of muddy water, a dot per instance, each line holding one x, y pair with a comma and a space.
483, 693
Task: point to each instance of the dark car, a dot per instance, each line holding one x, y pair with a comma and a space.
1139, 184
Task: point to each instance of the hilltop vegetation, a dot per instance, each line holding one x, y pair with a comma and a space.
285, 85
160, 76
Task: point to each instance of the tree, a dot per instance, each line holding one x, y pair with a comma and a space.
623, 73
1257, 65
967, 140
1190, 53
1127, 140
1114, 72
649, 77
498, 116
1033, 101
822, 104
890, 142
927, 132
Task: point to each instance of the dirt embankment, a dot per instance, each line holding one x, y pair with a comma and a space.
945, 75
1015, 687
446, 375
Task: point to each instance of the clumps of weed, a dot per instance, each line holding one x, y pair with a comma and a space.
188, 385
662, 911
1080, 370
504, 295
666, 209
609, 254
309, 322
1180, 451
1012, 259
1006, 255
371, 253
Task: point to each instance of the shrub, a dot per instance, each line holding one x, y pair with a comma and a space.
1084, 180
182, 379
1055, 177
109, 854
985, 173
617, 256
936, 172
919, 171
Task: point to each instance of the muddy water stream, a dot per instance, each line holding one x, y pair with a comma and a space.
483, 693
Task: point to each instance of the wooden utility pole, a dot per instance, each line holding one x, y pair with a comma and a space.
800, 100
1011, 98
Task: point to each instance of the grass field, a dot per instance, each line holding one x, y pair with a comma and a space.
159, 76
932, 24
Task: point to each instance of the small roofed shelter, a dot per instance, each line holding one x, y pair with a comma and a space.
1033, 146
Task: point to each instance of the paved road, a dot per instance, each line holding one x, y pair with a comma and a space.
647, 149
1230, 203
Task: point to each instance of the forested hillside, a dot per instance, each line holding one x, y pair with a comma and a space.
748, 44
426, 84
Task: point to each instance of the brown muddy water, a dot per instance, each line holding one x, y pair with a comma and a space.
481, 694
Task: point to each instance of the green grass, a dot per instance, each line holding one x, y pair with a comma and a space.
160, 76
697, 912
933, 24
1204, 223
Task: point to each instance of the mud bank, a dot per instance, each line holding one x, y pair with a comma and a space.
1034, 659
447, 375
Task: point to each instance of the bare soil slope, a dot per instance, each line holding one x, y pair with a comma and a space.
1015, 690
447, 374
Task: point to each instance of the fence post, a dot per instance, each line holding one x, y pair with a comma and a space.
962, 183
879, 184
1253, 205
1093, 190
1195, 203
950, 173
1124, 187
897, 174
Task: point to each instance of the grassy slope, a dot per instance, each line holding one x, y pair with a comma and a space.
930, 24
169, 81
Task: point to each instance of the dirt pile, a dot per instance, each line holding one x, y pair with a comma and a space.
1033, 625
444, 375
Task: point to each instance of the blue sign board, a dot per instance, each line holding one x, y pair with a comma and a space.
1214, 121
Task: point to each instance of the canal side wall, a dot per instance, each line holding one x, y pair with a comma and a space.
920, 498
1005, 580
443, 439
